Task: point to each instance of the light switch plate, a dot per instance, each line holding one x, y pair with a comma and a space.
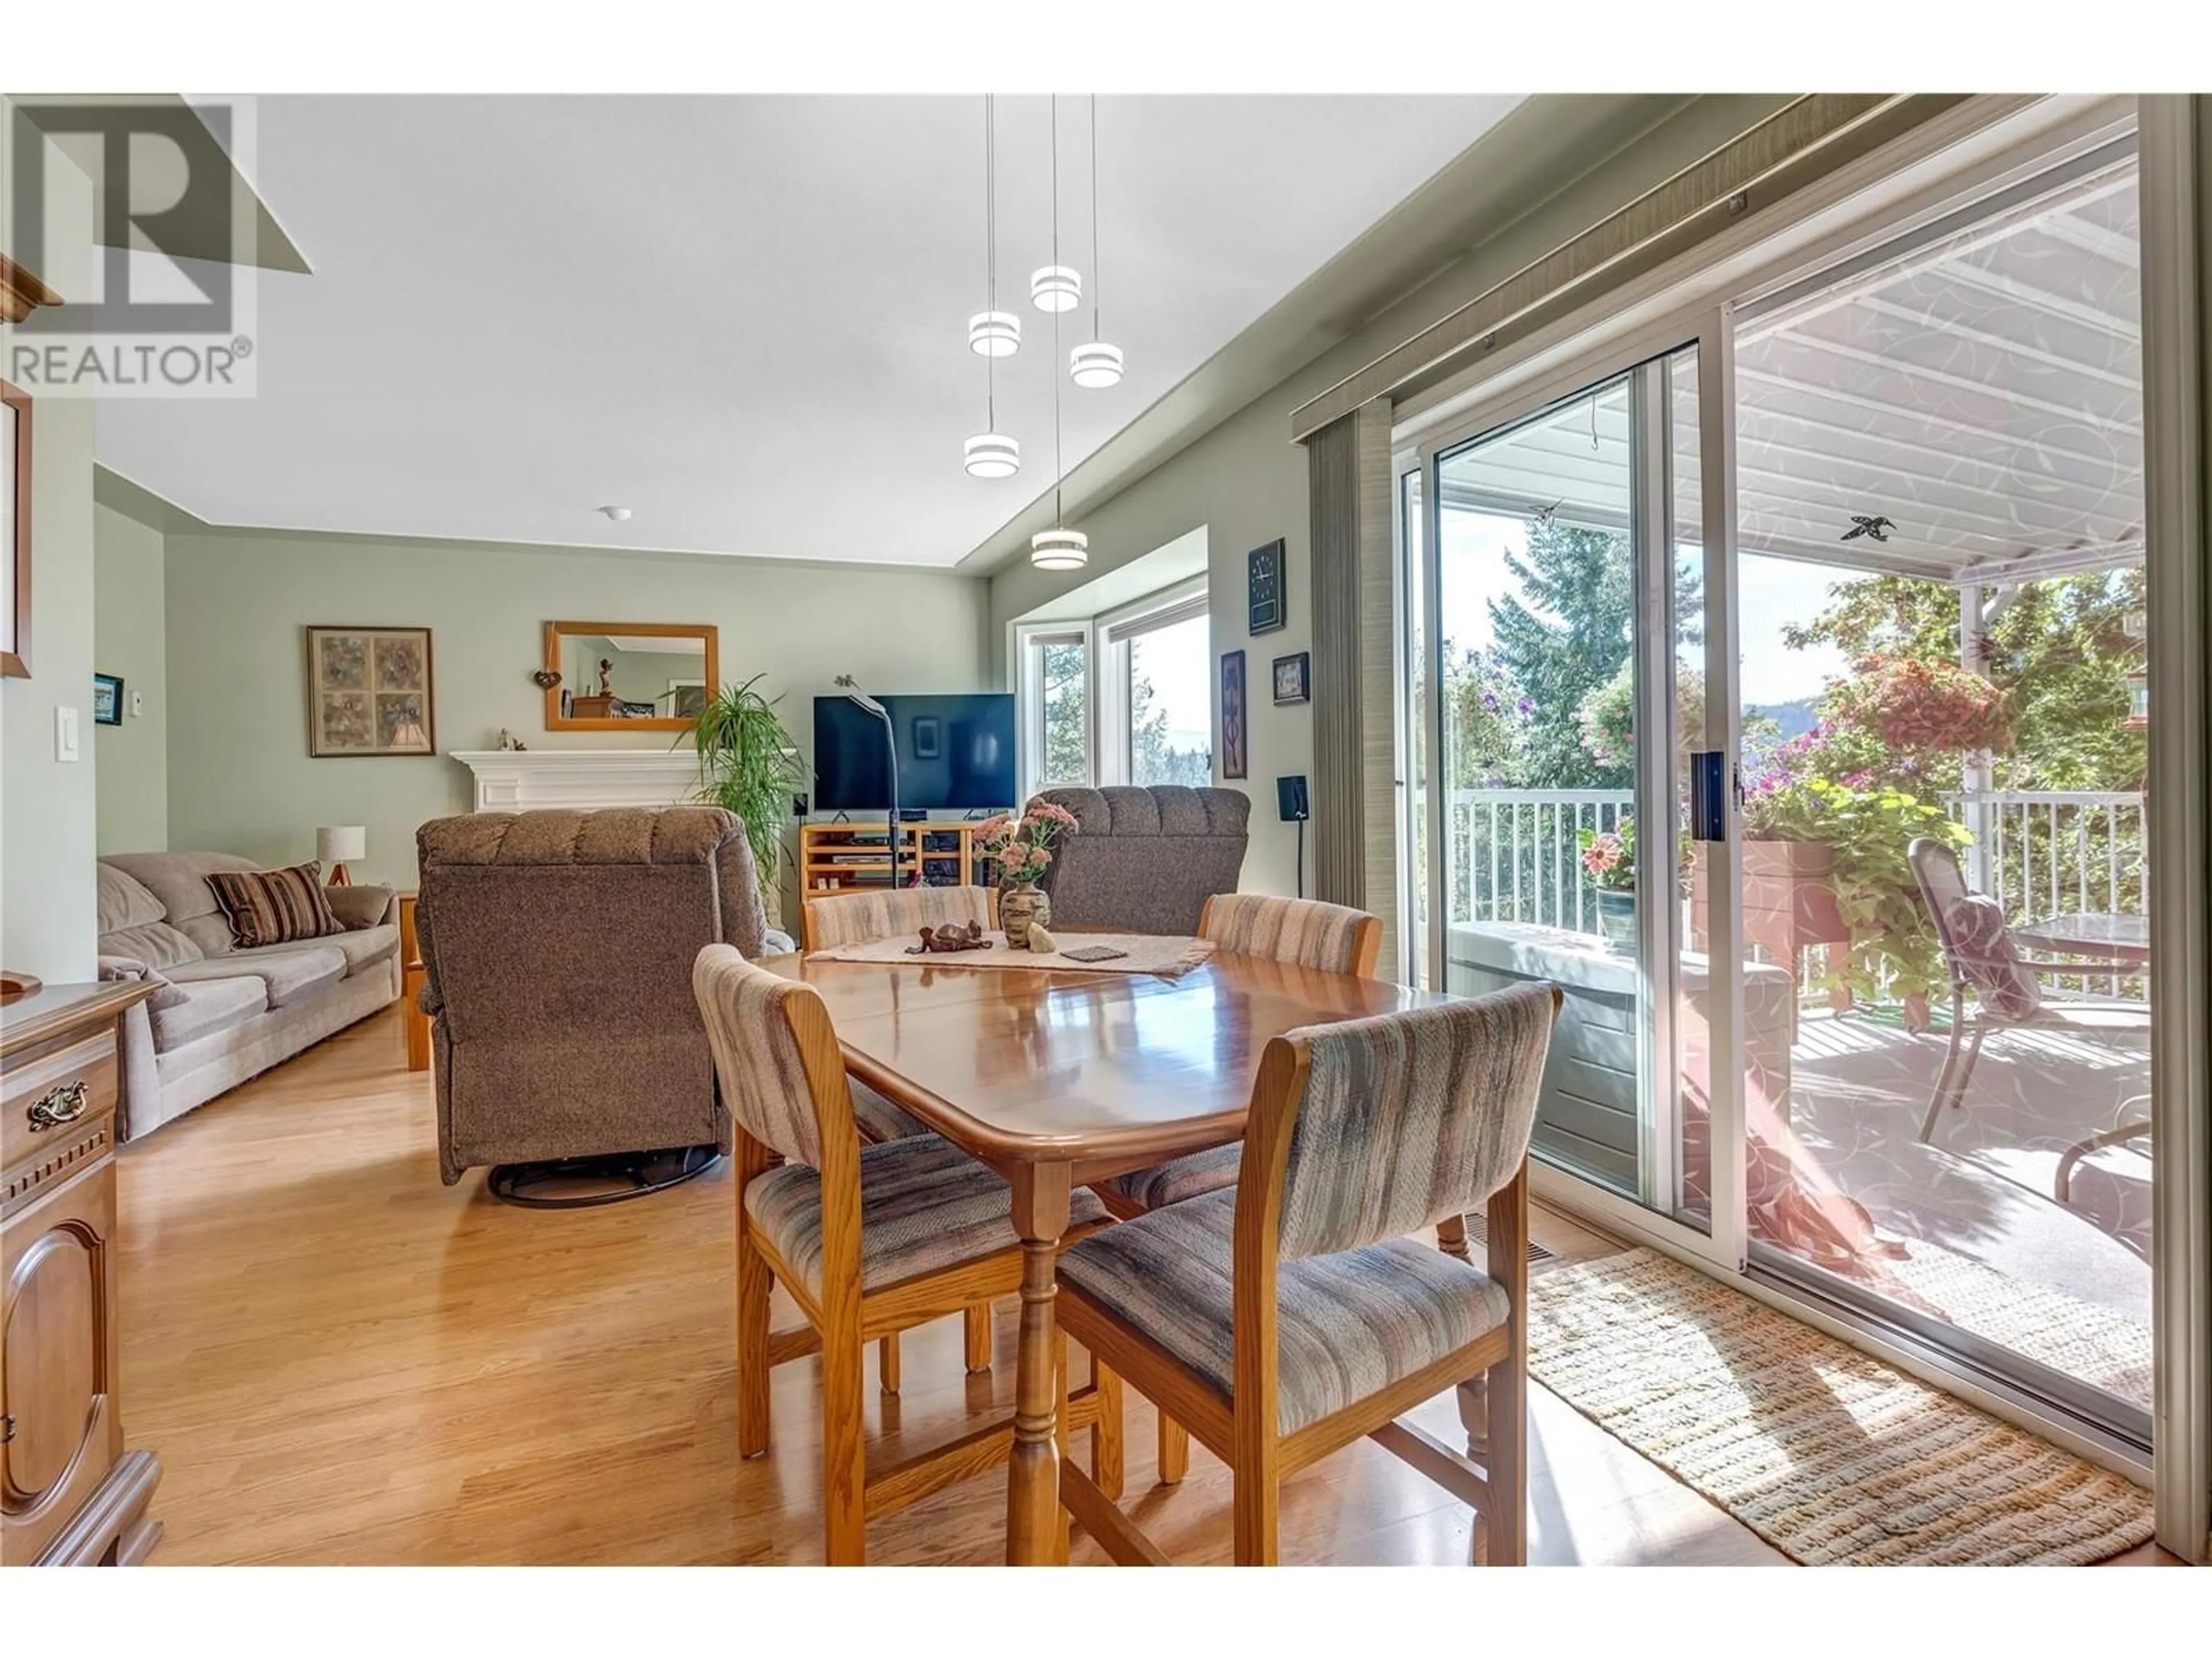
64, 733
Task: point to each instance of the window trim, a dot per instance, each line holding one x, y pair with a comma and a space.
1113, 632
1028, 701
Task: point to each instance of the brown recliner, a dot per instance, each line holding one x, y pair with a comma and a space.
557, 950
1145, 858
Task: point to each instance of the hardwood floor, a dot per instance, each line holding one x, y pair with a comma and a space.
340, 1361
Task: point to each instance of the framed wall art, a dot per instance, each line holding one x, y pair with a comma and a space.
1233, 760
107, 700
14, 532
1294, 678
1264, 594
369, 692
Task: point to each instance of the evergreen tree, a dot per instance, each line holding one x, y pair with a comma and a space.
1563, 632
1153, 757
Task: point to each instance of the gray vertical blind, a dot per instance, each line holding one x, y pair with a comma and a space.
1353, 829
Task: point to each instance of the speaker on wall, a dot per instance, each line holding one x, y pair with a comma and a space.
1291, 800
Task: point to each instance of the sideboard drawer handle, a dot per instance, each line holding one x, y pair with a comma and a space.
58, 1106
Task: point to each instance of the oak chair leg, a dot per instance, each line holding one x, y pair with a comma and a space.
976, 1328
887, 1362
1175, 1450
1258, 1483
755, 1284
1505, 1522
1106, 1472
844, 1452
1451, 1237
1034, 1519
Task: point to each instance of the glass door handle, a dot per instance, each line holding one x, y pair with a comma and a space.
1709, 786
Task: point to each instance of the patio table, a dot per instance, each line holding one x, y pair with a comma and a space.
2124, 939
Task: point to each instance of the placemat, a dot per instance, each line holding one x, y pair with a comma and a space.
1170, 955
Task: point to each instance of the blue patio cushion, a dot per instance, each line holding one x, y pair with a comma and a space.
1347, 1325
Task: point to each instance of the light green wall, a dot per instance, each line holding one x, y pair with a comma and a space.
239, 776
1245, 482
48, 810
128, 640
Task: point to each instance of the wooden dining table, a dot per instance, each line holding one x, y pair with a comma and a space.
1059, 1078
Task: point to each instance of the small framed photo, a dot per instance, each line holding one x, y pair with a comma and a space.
1263, 588
107, 700
1233, 759
1294, 679
369, 692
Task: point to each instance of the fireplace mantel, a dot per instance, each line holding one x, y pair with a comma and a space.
518, 779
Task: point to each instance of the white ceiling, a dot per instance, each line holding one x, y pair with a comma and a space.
742, 318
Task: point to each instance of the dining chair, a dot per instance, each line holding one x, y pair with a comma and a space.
1986, 963
1289, 1316
829, 920
869, 1240
1333, 938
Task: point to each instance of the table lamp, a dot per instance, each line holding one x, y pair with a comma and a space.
335, 844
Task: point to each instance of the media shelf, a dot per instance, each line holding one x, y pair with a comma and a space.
835, 856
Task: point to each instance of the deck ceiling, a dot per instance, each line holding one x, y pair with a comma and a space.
1982, 391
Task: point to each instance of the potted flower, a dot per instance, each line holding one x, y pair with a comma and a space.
1608, 857
1022, 848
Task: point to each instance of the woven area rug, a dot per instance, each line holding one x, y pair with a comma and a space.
1167, 955
1830, 1456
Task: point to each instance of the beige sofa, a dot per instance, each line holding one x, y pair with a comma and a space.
224, 1014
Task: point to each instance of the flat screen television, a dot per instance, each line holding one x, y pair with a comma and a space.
956, 754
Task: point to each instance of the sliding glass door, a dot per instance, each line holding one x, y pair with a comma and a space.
1565, 565
1778, 694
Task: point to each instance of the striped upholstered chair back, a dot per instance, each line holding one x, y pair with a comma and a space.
1306, 932
1408, 1118
765, 1084
885, 913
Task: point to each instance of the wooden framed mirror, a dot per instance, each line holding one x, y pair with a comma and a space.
628, 676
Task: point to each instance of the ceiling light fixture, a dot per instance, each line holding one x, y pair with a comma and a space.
1055, 288
991, 332
1097, 365
1058, 548
990, 454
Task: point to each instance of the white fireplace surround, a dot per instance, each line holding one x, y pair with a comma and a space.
518, 780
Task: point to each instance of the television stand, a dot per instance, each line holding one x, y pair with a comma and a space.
838, 857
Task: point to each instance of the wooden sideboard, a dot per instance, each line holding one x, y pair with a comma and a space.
70, 1494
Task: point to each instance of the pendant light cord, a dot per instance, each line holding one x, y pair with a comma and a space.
1059, 513
990, 252
1097, 266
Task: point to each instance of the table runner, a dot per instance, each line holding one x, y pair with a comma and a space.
1170, 955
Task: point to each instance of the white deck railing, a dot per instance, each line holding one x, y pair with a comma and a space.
1515, 855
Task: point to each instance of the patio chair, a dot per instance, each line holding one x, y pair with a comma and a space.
1984, 959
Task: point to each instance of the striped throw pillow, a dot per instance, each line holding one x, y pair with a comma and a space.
274, 907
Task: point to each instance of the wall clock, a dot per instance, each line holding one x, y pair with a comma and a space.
1264, 588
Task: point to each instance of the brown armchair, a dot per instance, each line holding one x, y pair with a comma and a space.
557, 950
1146, 859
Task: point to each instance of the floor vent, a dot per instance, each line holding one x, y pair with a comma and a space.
1478, 1239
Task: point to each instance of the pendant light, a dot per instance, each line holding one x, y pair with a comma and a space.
990, 454
991, 332
1058, 548
1055, 288
1097, 365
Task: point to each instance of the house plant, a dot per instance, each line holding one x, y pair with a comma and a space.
749, 765
1022, 848
1609, 857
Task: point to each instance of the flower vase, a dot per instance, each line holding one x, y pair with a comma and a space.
1022, 905
1616, 919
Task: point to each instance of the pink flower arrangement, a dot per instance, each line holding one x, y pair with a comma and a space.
1021, 847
